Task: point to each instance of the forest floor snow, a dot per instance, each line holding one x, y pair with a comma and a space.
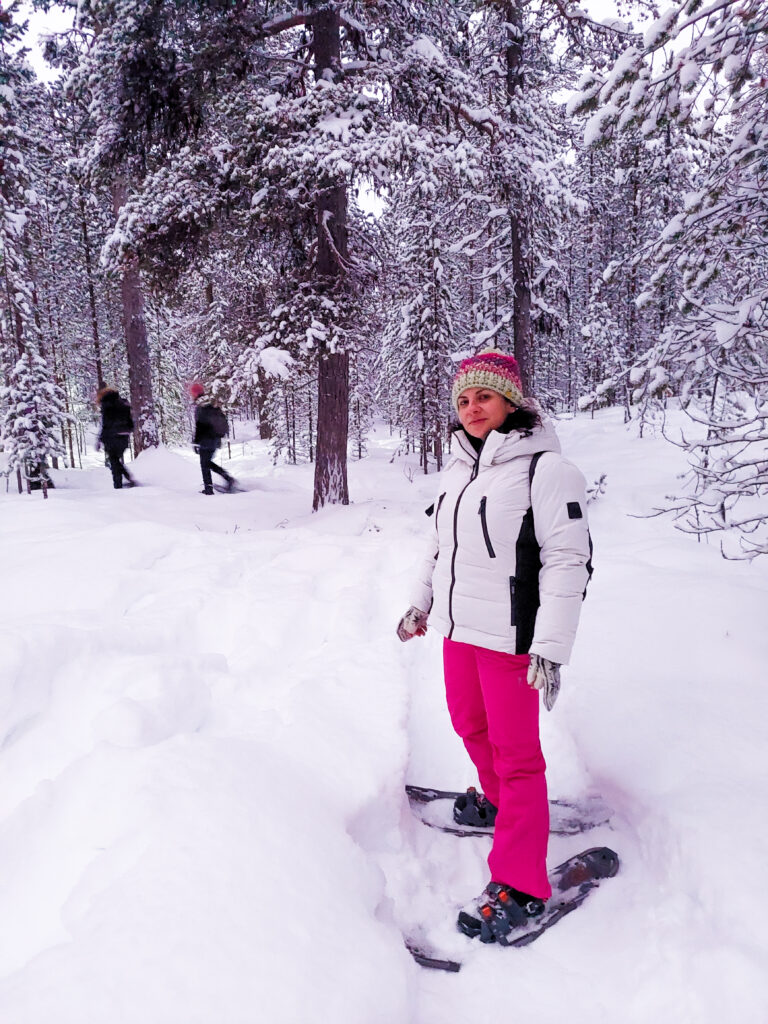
206, 722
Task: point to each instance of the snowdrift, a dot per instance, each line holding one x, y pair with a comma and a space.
206, 723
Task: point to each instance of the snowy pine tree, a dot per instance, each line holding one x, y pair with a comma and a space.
420, 335
714, 87
31, 432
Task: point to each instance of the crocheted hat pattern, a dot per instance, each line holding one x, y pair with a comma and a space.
490, 369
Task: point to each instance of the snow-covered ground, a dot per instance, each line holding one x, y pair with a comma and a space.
206, 722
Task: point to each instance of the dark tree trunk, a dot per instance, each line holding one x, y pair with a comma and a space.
137, 351
513, 15
19, 332
332, 431
139, 366
333, 371
91, 291
262, 394
521, 321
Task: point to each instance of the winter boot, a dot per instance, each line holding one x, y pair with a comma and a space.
472, 808
499, 910
207, 490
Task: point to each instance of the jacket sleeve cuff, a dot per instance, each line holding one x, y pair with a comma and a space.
558, 653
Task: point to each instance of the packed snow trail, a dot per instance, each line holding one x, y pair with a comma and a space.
206, 722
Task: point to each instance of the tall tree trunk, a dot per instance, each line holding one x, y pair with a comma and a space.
263, 388
521, 321
137, 350
521, 318
91, 289
333, 371
332, 431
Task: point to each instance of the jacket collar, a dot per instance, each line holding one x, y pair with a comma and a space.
501, 447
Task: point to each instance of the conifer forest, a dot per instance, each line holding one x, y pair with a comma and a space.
315, 208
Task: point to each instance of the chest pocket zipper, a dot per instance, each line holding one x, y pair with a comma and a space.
437, 511
484, 524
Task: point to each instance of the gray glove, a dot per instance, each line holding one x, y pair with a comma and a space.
545, 675
413, 623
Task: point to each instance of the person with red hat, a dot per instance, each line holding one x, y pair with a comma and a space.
508, 563
210, 427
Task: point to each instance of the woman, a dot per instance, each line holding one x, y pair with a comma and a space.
506, 573
116, 427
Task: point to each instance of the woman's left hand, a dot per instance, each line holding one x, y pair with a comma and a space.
413, 623
545, 675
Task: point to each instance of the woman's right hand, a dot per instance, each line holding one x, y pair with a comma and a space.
413, 623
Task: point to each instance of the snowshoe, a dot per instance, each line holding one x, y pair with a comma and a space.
491, 917
474, 809
499, 910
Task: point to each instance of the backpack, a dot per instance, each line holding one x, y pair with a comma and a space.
124, 420
217, 421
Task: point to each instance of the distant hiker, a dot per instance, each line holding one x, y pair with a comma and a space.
507, 567
116, 427
210, 427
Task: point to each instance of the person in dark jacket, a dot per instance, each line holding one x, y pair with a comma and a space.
210, 427
116, 427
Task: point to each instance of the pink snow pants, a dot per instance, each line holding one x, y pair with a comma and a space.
496, 713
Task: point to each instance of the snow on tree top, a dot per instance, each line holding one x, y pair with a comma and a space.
726, 331
16, 221
621, 69
426, 48
339, 123
691, 200
275, 361
616, 24
594, 130
660, 28
689, 74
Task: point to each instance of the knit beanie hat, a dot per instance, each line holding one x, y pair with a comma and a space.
490, 369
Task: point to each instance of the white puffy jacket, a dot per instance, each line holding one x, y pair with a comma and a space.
487, 580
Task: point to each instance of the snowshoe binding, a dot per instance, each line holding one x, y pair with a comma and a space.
474, 809
499, 910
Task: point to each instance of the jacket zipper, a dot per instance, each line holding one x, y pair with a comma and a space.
484, 524
437, 511
472, 477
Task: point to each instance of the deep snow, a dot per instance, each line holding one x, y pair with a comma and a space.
206, 721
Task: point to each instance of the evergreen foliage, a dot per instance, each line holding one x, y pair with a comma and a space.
702, 69
185, 203
32, 421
